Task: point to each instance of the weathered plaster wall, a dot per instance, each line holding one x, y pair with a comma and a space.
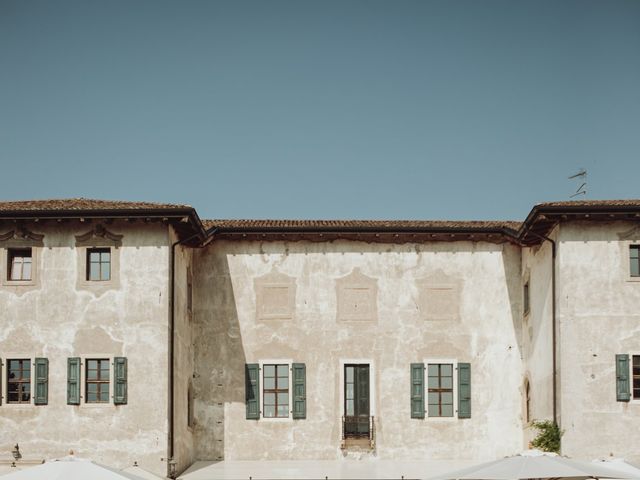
183, 360
484, 330
59, 317
536, 335
599, 317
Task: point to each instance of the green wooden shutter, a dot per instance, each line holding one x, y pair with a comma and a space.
252, 390
623, 391
73, 381
120, 381
464, 390
41, 394
417, 390
1, 376
299, 390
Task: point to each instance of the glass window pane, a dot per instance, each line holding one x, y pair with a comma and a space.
92, 397
94, 271
447, 410
350, 374
26, 271
432, 370
269, 370
92, 374
350, 410
269, 398
269, 383
104, 393
446, 369
283, 411
106, 271
283, 370
92, 387
433, 382
283, 399
434, 398
14, 364
94, 257
105, 257
269, 411
433, 411
92, 364
283, 382
447, 397
447, 382
350, 390
635, 267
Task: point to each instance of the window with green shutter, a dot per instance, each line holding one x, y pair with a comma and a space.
299, 390
623, 393
252, 391
464, 390
41, 380
417, 390
73, 381
120, 381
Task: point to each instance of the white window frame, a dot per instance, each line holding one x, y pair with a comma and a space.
277, 361
372, 383
6, 267
5, 383
83, 386
454, 363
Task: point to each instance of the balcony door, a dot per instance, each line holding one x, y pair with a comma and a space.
356, 400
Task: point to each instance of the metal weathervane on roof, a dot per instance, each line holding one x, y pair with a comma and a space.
582, 189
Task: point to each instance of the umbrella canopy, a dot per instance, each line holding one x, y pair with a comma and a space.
532, 464
69, 468
619, 465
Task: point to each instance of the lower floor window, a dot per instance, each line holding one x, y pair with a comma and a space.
440, 389
276, 391
97, 380
19, 381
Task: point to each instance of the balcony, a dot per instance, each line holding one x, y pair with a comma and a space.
358, 432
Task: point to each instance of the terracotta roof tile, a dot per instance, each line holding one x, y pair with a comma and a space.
82, 204
592, 203
391, 225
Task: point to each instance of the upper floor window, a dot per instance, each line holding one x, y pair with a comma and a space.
440, 389
19, 262
634, 260
276, 391
97, 380
526, 298
98, 264
19, 381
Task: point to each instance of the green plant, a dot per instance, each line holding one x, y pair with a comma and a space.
548, 438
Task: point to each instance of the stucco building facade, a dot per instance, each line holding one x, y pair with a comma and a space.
136, 332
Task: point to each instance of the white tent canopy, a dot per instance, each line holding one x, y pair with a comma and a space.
532, 464
619, 465
70, 468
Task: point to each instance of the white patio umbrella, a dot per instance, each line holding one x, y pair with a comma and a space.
532, 464
620, 465
70, 468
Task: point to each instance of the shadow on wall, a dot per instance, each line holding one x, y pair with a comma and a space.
219, 353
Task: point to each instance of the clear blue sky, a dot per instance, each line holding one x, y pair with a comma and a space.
321, 109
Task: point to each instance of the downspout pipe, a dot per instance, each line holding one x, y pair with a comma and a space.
553, 322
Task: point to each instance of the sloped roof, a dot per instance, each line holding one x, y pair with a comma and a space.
83, 204
252, 225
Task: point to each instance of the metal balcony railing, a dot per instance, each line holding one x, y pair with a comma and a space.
359, 427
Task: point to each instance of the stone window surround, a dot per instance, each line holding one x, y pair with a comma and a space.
4, 369
276, 361
98, 237
20, 238
83, 387
454, 363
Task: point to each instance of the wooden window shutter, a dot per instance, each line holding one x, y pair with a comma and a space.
73, 381
252, 390
623, 391
417, 390
299, 390
464, 390
120, 381
41, 378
